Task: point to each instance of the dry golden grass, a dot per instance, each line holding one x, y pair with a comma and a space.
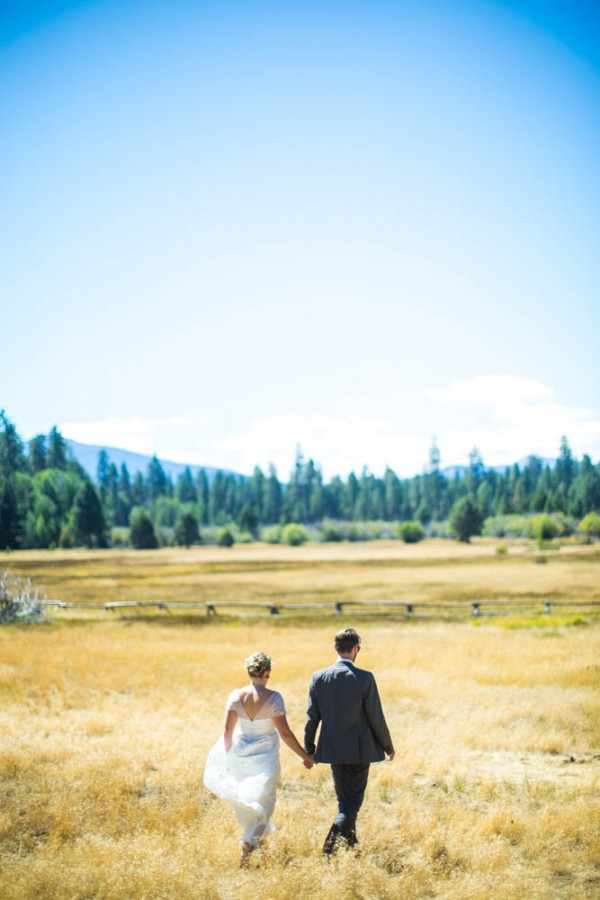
434, 572
104, 727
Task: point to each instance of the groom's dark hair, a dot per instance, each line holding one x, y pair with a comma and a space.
345, 640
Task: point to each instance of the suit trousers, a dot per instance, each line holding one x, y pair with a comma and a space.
350, 782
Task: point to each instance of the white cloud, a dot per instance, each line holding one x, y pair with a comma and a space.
493, 390
519, 418
342, 445
133, 433
505, 417
339, 445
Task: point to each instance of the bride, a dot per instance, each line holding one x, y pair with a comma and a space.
243, 766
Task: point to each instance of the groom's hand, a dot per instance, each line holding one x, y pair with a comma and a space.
309, 762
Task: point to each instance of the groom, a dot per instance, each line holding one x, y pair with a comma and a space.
345, 700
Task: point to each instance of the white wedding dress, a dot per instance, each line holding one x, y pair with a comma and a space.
248, 776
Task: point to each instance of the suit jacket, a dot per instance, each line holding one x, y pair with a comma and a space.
345, 700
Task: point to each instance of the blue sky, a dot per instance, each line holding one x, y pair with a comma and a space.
230, 228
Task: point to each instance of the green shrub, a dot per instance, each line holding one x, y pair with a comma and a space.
354, 533
376, 530
186, 530
331, 532
359, 531
248, 520
141, 530
271, 535
225, 537
119, 536
411, 531
543, 528
294, 534
566, 524
590, 525
465, 520
506, 526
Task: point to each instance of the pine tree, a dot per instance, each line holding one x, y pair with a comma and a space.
139, 490
475, 471
393, 492
186, 530
202, 494
141, 533
465, 520
37, 453
272, 497
248, 520
11, 521
584, 494
433, 488
186, 489
123, 502
88, 519
333, 498
12, 458
57, 453
157, 480
103, 481
256, 492
564, 473
12, 463
103, 469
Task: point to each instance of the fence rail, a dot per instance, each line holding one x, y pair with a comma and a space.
476, 608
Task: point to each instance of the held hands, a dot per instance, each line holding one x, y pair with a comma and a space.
390, 756
308, 761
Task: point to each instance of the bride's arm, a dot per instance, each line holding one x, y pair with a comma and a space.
289, 738
230, 720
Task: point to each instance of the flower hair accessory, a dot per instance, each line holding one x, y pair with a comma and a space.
258, 664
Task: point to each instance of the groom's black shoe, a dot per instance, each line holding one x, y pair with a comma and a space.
353, 843
335, 839
332, 841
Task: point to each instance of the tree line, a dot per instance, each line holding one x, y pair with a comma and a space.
47, 499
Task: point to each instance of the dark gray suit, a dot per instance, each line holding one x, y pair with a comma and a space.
354, 733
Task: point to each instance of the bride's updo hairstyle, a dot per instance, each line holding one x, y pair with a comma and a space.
258, 664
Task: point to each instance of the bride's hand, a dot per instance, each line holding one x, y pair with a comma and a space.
308, 762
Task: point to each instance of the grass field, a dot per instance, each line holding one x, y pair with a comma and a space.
430, 572
105, 722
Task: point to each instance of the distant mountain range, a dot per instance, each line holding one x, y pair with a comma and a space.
87, 456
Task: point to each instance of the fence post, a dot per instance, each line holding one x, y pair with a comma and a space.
409, 609
475, 608
210, 610
547, 605
338, 607
273, 611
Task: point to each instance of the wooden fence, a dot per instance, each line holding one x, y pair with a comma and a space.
474, 608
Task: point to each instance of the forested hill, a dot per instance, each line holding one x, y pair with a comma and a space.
87, 455
48, 499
